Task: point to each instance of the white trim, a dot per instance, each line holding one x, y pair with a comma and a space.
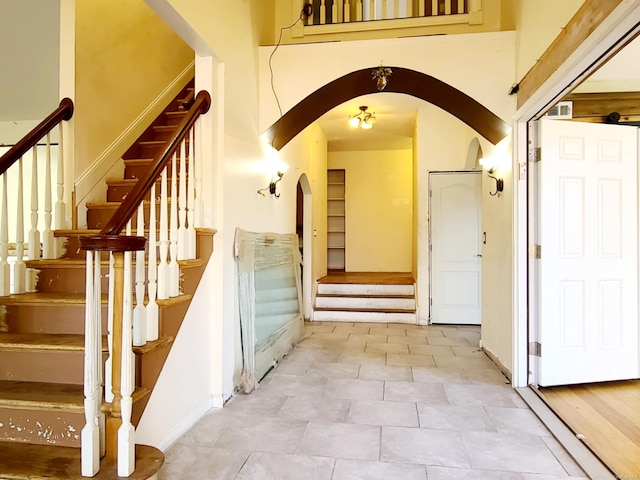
184, 425
604, 41
99, 169
591, 465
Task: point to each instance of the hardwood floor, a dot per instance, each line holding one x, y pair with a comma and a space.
608, 415
380, 278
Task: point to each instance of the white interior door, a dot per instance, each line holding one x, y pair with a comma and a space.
456, 223
588, 271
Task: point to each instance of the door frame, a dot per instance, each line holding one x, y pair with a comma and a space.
431, 280
604, 42
307, 247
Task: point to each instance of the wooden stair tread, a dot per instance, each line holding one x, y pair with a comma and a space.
45, 341
21, 461
51, 299
40, 395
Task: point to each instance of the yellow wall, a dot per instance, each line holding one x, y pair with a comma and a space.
125, 57
379, 199
538, 23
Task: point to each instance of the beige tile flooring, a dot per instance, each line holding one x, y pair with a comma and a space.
375, 401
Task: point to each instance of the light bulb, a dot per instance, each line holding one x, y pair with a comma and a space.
354, 122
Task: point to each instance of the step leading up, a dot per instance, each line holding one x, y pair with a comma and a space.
365, 302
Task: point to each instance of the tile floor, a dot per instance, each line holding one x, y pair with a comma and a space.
375, 401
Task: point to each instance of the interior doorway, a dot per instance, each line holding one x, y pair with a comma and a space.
456, 247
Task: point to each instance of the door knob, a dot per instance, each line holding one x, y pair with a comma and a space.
479, 255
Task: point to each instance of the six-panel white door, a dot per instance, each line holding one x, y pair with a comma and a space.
456, 224
588, 271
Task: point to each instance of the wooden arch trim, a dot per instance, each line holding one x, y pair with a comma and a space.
402, 80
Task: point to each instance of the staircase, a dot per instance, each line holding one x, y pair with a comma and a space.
42, 338
362, 297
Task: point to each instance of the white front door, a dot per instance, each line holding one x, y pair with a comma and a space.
456, 223
588, 271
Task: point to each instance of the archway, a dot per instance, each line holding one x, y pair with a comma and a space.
402, 80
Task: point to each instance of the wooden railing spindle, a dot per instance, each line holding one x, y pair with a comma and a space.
48, 250
20, 268
139, 318
152, 275
173, 280
347, 11
60, 207
182, 203
323, 13
5, 276
191, 200
163, 267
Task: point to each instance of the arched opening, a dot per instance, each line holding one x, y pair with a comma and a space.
402, 80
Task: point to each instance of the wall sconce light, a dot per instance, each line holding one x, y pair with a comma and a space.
275, 178
490, 165
363, 119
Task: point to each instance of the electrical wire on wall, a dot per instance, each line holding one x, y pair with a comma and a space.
307, 11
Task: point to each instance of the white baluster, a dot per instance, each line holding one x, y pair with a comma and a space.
33, 251
461, 6
60, 207
108, 365
447, 7
47, 235
163, 266
396, 9
5, 272
173, 282
360, 11
182, 203
421, 8
191, 200
347, 11
152, 275
139, 317
19, 268
435, 9
197, 168
334, 12
323, 13
384, 10
126, 432
90, 435
97, 319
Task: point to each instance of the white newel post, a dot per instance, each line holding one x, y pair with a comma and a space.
126, 432
90, 435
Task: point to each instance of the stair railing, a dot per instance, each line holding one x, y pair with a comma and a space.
176, 168
347, 11
44, 216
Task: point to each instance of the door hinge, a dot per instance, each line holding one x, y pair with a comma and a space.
537, 154
535, 251
535, 349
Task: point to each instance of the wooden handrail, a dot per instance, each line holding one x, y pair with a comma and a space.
63, 112
109, 237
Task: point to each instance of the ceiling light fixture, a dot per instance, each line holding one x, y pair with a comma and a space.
363, 119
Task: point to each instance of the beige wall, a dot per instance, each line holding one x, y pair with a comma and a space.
379, 198
538, 23
125, 56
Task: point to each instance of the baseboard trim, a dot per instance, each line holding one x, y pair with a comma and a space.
99, 169
505, 371
584, 457
185, 425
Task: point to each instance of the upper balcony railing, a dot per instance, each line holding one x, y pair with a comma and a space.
334, 16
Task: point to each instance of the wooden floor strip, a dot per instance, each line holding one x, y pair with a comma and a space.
608, 415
